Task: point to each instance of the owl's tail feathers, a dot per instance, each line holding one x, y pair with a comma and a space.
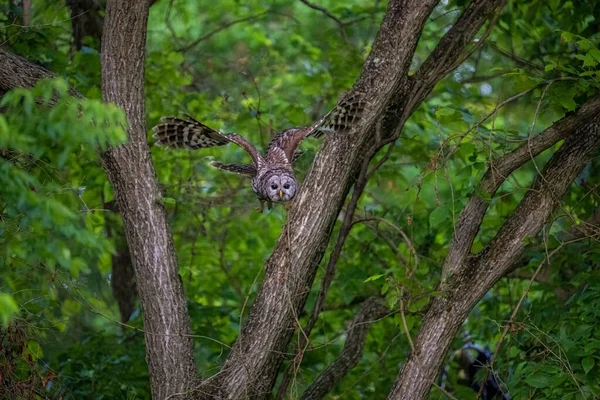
180, 133
347, 112
242, 169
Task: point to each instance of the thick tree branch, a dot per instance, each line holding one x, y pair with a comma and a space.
169, 346
448, 51
372, 309
15, 72
468, 284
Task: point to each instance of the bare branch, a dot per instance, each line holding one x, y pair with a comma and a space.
221, 28
329, 15
373, 309
521, 62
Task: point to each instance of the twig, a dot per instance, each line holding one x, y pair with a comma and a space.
520, 61
221, 28
325, 11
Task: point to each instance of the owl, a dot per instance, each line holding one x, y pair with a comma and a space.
271, 174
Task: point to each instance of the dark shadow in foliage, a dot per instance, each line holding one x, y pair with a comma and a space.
473, 360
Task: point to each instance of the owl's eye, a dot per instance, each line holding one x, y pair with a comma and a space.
286, 186
274, 186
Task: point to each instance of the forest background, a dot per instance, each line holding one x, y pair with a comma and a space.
469, 207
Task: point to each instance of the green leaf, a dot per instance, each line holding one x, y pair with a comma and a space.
438, 216
8, 308
373, 278
34, 349
587, 363
566, 36
595, 53
568, 103
168, 200
538, 380
444, 112
419, 305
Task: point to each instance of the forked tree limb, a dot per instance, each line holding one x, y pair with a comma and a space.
469, 282
471, 217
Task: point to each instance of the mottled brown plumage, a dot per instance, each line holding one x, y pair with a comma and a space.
272, 174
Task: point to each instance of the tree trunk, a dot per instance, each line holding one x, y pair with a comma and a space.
169, 346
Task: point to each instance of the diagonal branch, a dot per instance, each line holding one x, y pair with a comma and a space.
342, 25
372, 309
345, 229
15, 72
472, 215
221, 28
469, 282
252, 366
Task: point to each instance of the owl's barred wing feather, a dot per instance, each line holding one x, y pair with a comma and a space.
179, 133
242, 169
192, 134
340, 119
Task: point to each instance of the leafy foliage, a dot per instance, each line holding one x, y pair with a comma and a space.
256, 68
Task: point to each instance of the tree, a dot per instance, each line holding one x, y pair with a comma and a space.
426, 300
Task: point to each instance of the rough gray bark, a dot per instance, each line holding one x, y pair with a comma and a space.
15, 71
251, 368
373, 309
169, 346
466, 283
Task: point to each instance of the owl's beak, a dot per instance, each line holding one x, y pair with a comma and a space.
280, 194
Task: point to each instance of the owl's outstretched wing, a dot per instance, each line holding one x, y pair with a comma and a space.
248, 170
192, 134
340, 119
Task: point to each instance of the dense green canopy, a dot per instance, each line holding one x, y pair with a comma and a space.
256, 67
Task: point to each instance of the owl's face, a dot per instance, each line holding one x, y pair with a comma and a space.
278, 187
